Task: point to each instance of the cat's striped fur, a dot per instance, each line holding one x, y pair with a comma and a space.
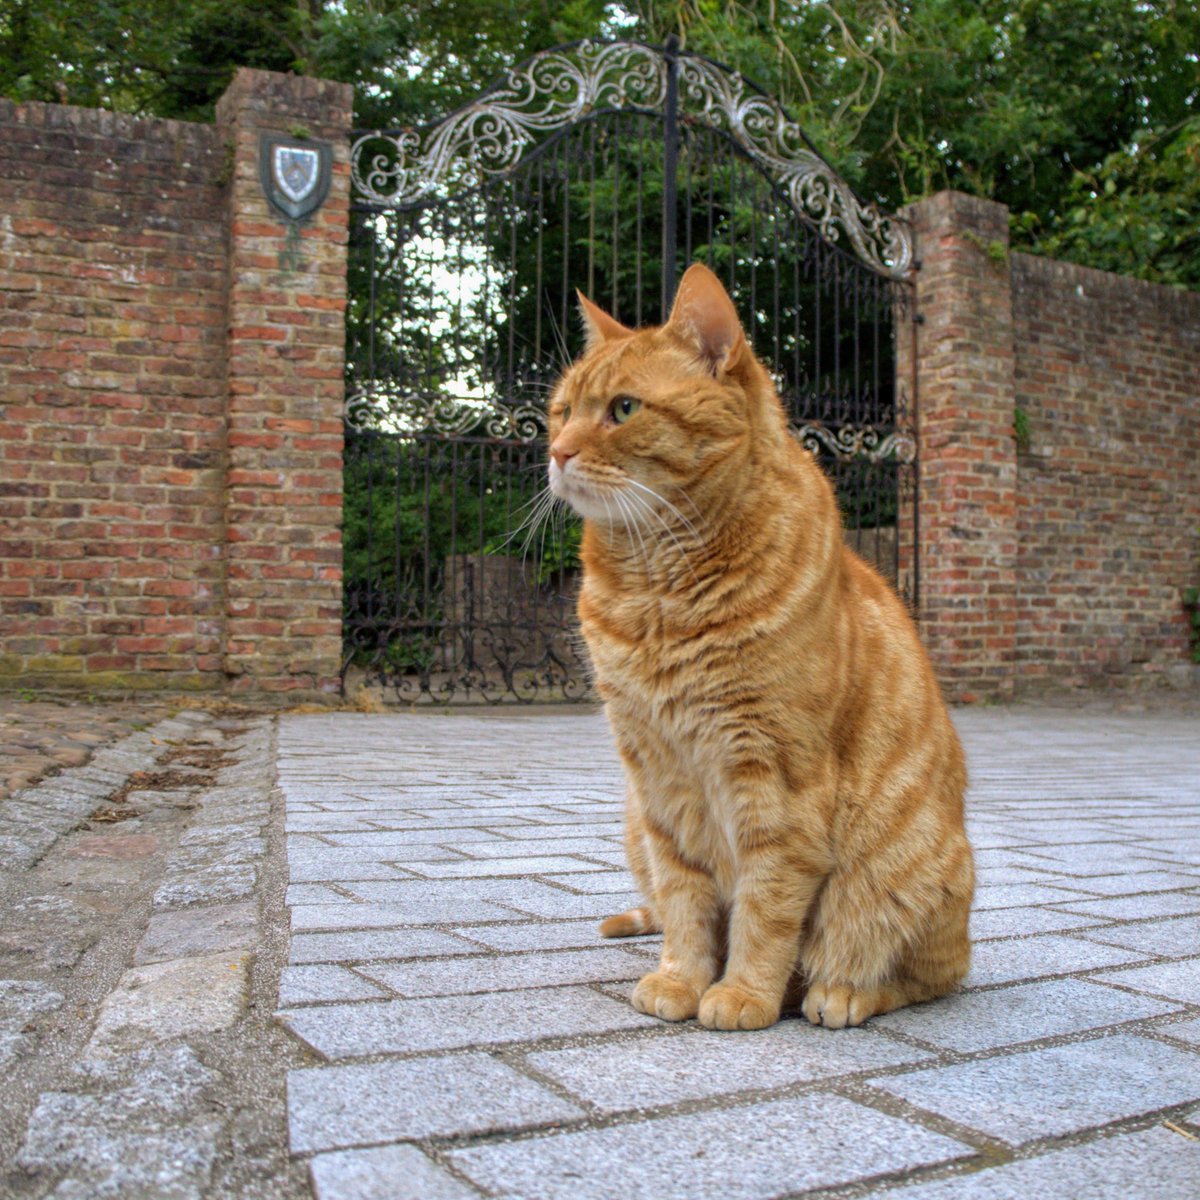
795, 787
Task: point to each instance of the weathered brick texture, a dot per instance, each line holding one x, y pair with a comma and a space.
112, 270
170, 373
1108, 497
1061, 562
966, 457
286, 325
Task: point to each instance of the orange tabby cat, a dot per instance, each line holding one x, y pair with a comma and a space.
795, 786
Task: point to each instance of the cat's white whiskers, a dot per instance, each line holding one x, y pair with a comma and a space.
559, 337
629, 513
535, 504
664, 501
682, 551
542, 506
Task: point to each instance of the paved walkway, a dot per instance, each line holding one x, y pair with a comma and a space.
472, 1034
450, 1025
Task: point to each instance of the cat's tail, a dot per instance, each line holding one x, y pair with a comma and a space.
630, 923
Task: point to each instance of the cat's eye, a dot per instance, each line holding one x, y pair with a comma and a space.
623, 407
566, 414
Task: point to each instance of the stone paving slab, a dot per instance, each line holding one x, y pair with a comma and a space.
699, 1064
459, 1094
1172, 980
1077, 1086
339, 1031
1176, 937
1024, 1012
396, 1172
1079, 1020
1154, 1163
1009, 960
373, 945
766, 1149
462, 975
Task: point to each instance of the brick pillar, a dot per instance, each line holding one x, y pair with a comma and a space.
967, 453
286, 304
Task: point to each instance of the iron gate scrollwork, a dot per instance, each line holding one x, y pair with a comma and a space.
607, 166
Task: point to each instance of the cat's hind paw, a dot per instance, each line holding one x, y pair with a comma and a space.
667, 996
727, 1006
836, 1005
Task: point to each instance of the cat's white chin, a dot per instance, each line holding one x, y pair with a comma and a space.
588, 501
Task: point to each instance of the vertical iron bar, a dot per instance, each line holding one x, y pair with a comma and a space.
541, 229
841, 415
397, 614
818, 288
452, 229
510, 379
775, 261
425, 612
591, 240
877, 410
802, 400
858, 416
615, 297
563, 320
670, 166
752, 189
689, 160
371, 301
711, 159
733, 218
450, 588
637, 258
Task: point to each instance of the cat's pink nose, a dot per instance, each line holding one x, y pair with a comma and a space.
560, 456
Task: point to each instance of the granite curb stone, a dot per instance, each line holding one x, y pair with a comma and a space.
165, 1092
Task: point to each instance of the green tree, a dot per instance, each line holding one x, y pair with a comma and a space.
1077, 114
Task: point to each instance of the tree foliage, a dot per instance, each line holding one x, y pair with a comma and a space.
1080, 115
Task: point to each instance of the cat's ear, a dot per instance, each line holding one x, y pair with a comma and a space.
597, 324
704, 317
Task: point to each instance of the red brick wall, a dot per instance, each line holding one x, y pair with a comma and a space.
1060, 563
1108, 497
287, 300
170, 423
966, 466
170, 393
112, 381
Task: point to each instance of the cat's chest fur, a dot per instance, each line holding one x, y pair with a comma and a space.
667, 699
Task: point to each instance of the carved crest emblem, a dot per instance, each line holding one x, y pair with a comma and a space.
295, 175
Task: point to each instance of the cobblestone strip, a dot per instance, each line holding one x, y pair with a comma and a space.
472, 1034
148, 1064
32, 819
40, 737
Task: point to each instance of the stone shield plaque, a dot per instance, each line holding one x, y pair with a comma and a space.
295, 174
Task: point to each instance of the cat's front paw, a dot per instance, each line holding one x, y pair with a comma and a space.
727, 1006
667, 996
836, 1005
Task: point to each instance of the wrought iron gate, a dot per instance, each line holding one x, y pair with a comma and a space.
610, 167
